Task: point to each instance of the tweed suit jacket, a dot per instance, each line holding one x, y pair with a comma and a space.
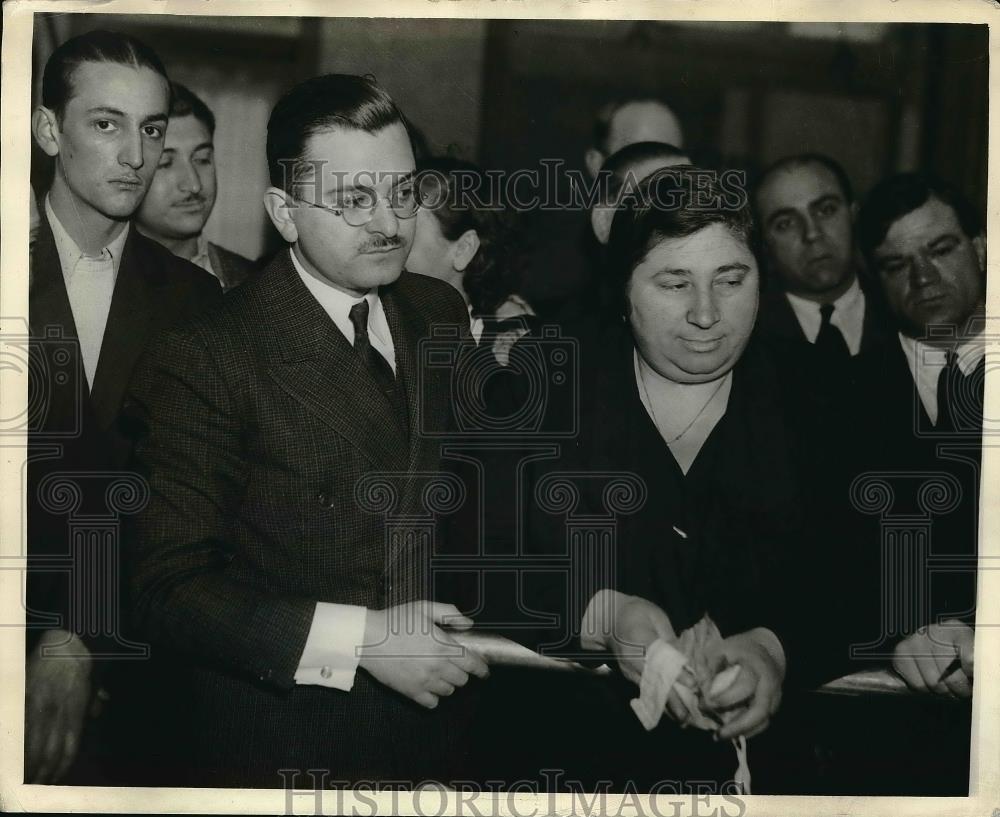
262, 432
76, 430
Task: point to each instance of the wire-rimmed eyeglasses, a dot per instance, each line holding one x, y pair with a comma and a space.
357, 207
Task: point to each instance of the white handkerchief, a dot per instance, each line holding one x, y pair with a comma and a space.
663, 665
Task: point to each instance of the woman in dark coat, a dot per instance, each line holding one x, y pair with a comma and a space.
677, 498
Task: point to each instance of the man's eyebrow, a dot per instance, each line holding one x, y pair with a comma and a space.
203, 145
399, 178
736, 266
784, 211
672, 271
825, 198
107, 111
943, 237
154, 117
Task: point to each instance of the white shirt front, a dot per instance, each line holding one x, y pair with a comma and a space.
926, 363
202, 258
330, 657
848, 316
337, 304
90, 286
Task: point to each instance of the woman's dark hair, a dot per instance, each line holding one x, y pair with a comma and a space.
94, 46
672, 203
459, 196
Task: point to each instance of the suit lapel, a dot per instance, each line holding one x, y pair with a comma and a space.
407, 331
131, 320
777, 318
51, 316
48, 303
316, 366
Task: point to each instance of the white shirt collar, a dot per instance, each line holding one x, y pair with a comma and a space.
70, 253
848, 315
337, 304
927, 361
202, 257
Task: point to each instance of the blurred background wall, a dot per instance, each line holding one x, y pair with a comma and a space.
877, 97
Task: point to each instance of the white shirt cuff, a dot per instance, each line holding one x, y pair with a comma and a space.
330, 657
599, 619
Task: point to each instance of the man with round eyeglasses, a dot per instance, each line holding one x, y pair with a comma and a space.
275, 432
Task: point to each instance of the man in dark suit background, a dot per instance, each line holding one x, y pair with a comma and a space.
98, 292
925, 243
182, 193
815, 314
278, 430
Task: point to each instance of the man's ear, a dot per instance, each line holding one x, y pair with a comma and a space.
281, 210
593, 158
464, 250
979, 242
45, 129
600, 222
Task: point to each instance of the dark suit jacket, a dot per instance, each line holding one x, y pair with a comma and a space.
717, 540
232, 268
265, 443
780, 328
76, 431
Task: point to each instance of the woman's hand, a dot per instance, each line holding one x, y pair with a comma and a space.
756, 690
634, 624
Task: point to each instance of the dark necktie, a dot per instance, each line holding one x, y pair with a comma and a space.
830, 342
960, 396
376, 365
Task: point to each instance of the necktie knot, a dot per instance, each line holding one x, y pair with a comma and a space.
359, 319
826, 313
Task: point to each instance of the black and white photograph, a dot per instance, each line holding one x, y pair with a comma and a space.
488, 409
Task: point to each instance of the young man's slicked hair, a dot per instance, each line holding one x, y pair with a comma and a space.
184, 102
319, 105
94, 46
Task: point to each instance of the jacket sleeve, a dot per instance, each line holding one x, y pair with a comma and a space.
189, 448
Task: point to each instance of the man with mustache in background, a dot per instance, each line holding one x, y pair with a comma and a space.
99, 290
182, 193
304, 628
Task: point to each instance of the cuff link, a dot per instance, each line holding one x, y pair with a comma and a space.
326, 673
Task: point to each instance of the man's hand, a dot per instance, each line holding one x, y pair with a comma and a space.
406, 650
636, 623
923, 658
757, 688
57, 693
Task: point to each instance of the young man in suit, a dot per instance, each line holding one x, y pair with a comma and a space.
300, 610
925, 243
815, 315
182, 193
98, 292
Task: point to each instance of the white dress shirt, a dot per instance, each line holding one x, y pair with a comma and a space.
330, 657
337, 305
202, 258
926, 363
848, 316
90, 285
